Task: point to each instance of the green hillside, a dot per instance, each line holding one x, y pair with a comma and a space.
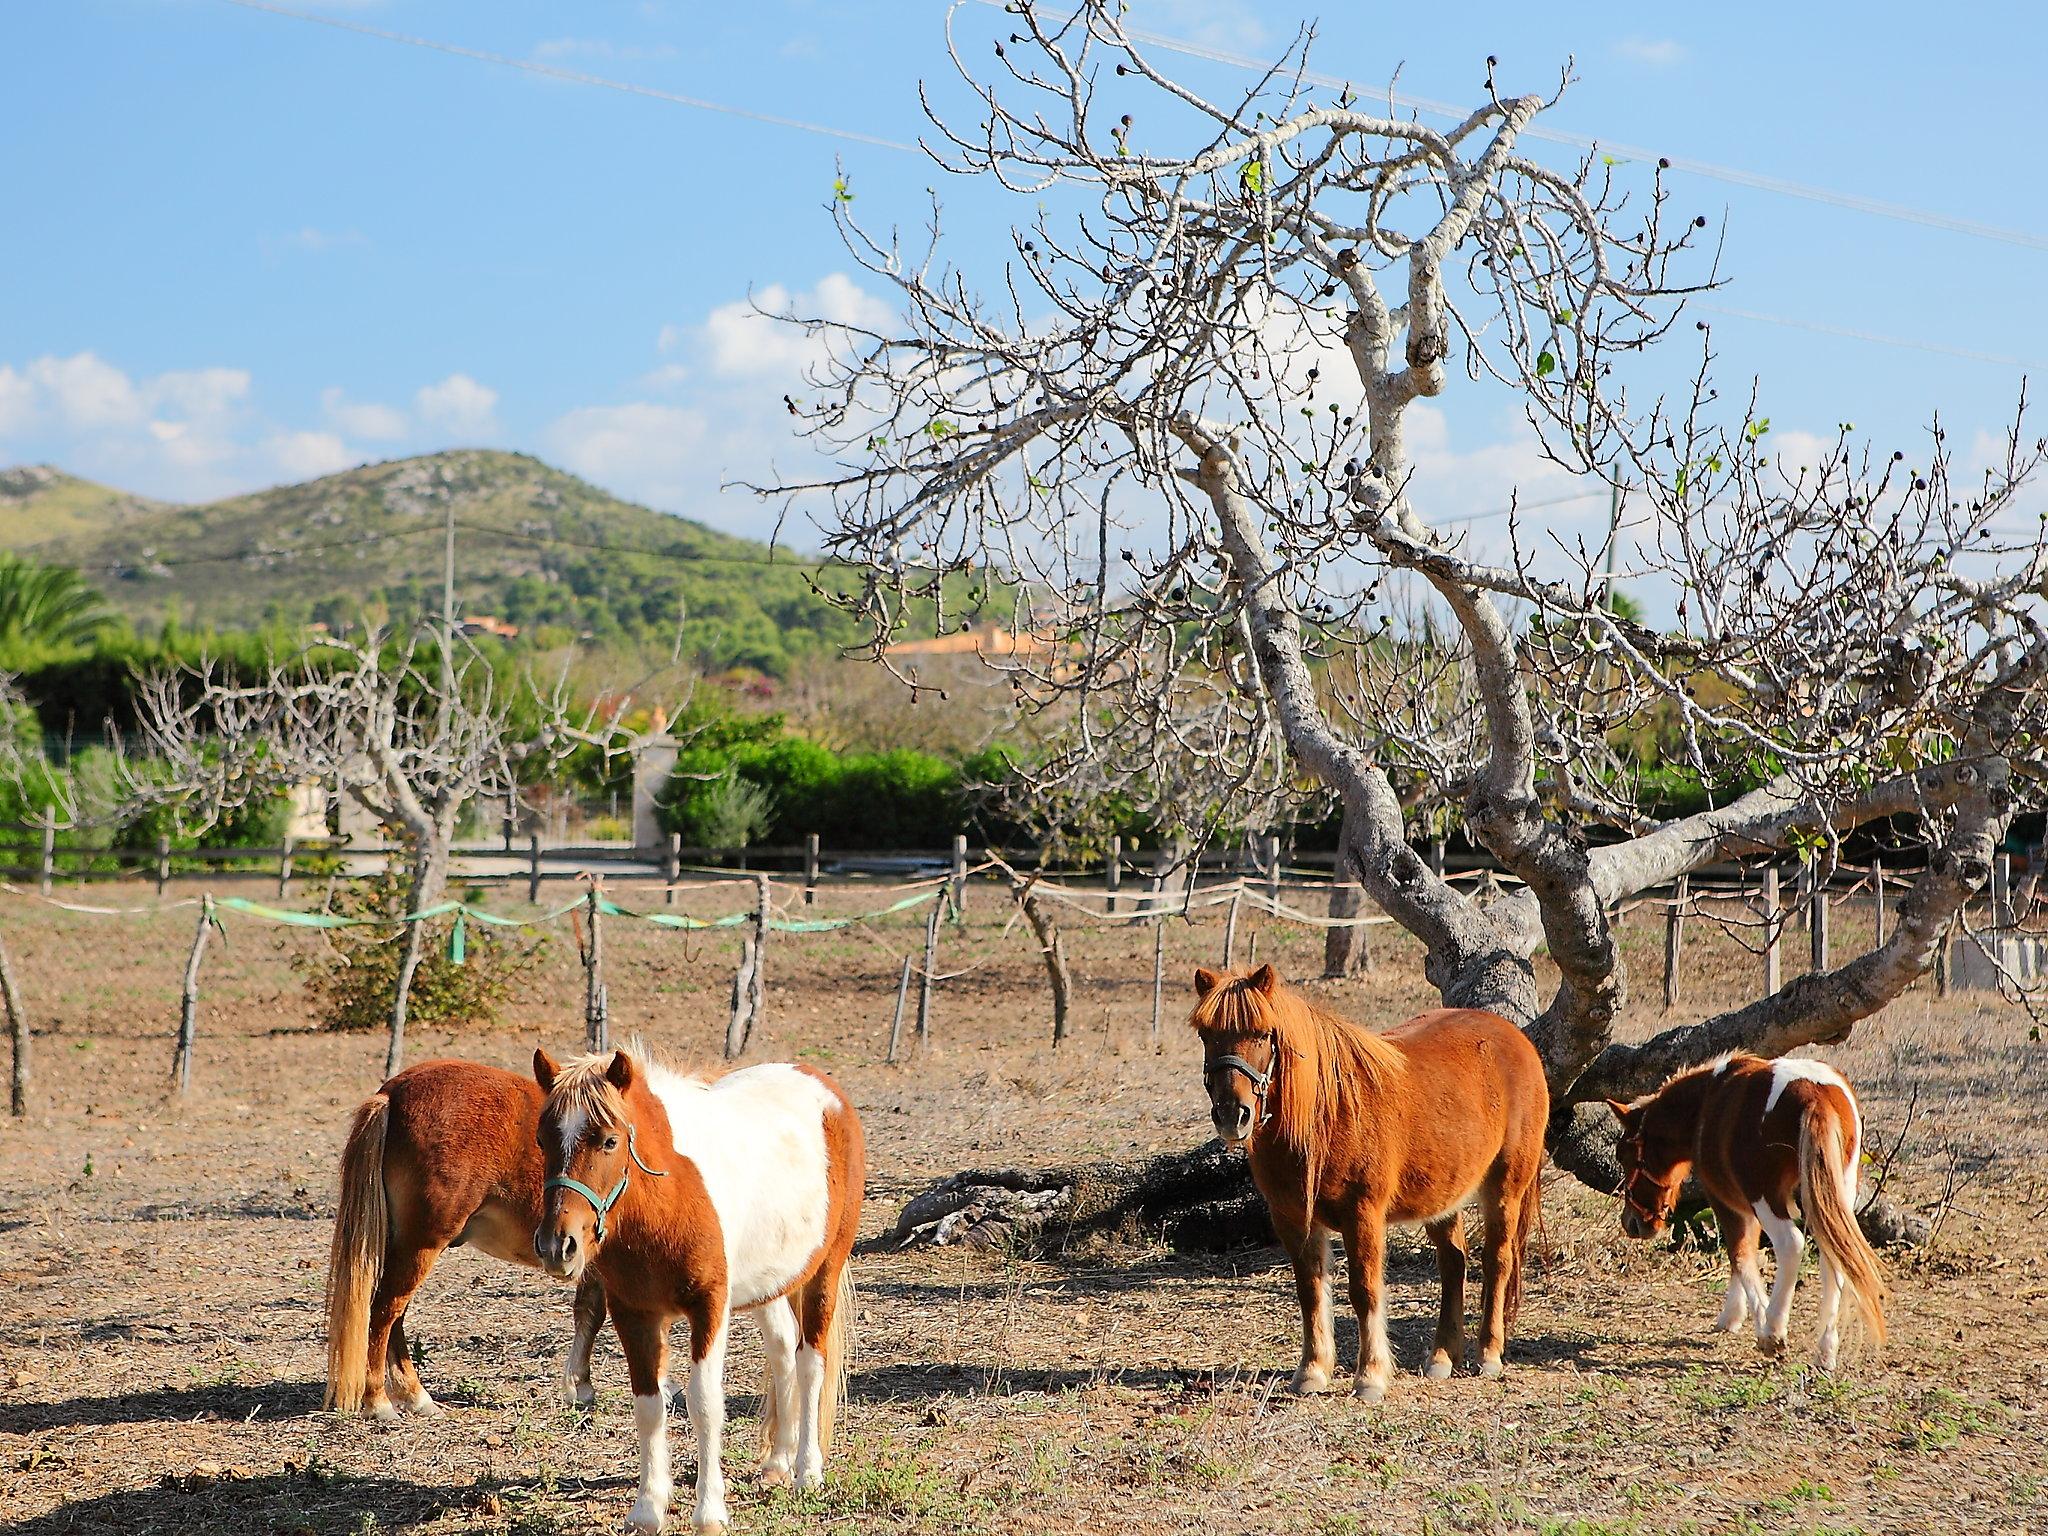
536, 547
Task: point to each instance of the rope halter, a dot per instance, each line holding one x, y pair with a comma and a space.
602, 1204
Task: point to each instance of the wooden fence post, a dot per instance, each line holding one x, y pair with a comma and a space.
924, 980
284, 870
163, 863
1112, 873
2001, 892
1674, 939
902, 995
188, 1000
1347, 946
1273, 869
1942, 949
47, 875
596, 1030
1158, 974
533, 869
1053, 946
749, 982
1770, 930
505, 830
959, 877
810, 869
1803, 892
672, 871
1877, 899
1436, 857
1230, 925
17, 1033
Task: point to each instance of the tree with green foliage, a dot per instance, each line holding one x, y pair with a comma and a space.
47, 605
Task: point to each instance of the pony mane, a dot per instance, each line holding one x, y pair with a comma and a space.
581, 1087
1320, 1057
1713, 1066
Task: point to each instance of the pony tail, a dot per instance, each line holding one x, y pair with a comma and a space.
1823, 1199
355, 1259
838, 1358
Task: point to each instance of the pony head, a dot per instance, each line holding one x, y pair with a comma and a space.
1656, 1152
587, 1143
1239, 1021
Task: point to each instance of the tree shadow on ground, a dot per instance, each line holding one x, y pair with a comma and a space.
220, 1402
305, 1503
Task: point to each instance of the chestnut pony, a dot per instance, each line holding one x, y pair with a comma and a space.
698, 1199
1758, 1135
1350, 1130
443, 1154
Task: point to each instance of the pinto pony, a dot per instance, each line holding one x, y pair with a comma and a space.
698, 1199
443, 1154
1757, 1135
1350, 1130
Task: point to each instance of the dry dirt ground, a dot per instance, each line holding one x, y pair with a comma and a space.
161, 1264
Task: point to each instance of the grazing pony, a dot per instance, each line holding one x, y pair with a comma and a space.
443, 1154
1350, 1130
1757, 1134
698, 1199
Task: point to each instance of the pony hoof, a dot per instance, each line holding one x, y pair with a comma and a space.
1309, 1380
1369, 1391
424, 1407
1491, 1367
771, 1475
1824, 1361
579, 1394
1438, 1369
384, 1412
1770, 1345
810, 1479
645, 1521
1726, 1324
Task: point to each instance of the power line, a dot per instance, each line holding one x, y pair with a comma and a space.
1853, 334
574, 76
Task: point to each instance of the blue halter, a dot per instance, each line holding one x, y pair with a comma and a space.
602, 1204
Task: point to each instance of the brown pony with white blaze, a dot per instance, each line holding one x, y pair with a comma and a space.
1758, 1135
1349, 1131
442, 1155
698, 1199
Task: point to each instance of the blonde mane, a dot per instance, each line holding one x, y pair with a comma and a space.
1320, 1059
582, 1089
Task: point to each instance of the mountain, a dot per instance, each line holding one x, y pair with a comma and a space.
535, 547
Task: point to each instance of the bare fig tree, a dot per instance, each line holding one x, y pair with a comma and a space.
1181, 408
409, 732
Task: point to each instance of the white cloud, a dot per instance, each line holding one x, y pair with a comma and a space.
365, 419
459, 405
86, 392
306, 455
1655, 52
744, 340
204, 394
17, 401
655, 453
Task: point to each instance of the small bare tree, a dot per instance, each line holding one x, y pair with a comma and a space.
409, 732
1182, 410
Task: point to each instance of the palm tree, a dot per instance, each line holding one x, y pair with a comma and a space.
49, 604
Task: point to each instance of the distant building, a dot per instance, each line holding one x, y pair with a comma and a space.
982, 639
488, 624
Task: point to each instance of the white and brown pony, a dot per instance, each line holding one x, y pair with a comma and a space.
1759, 1136
695, 1200
1349, 1131
442, 1155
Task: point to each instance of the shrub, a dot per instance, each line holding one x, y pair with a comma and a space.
353, 978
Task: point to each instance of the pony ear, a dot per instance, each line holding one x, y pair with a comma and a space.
1206, 981
544, 1069
620, 1073
1620, 1110
1265, 980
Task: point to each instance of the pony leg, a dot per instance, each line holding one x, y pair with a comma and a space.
780, 1412
1310, 1251
406, 1385
1496, 1274
404, 1273
644, 1337
1739, 1233
1789, 1244
1365, 1246
576, 1384
1449, 1237
706, 1398
1827, 1349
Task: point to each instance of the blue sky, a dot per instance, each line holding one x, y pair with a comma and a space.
246, 249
